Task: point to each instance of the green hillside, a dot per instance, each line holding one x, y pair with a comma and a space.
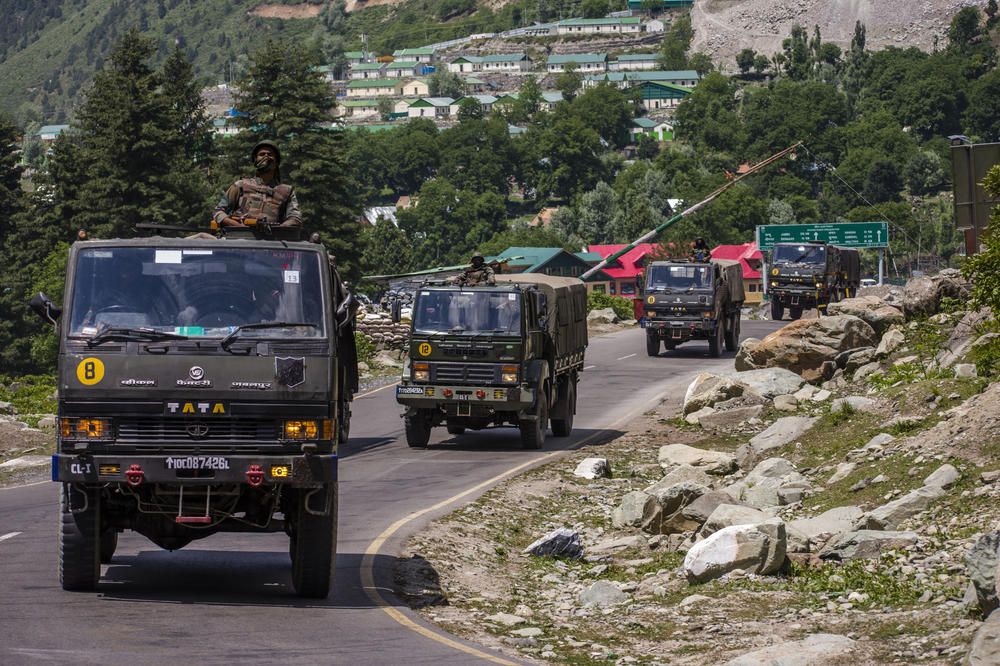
50, 49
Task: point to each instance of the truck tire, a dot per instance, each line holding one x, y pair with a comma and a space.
777, 310
533, 432
716, 341
455, 429
418, 429
733, 332
108, 545
795, 312
652, 344
564, 426
79, 540
314, 542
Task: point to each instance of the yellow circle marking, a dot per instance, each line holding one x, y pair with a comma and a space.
90, 371
651, 300
424, 349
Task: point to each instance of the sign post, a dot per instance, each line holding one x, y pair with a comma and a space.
844, 234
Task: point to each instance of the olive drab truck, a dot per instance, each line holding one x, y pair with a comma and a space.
508, 354
204, 386
811, 275
693, 300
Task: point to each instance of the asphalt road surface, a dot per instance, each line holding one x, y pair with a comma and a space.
228, 598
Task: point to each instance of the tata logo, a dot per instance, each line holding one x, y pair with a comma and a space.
196, 409
196, 372
197, 430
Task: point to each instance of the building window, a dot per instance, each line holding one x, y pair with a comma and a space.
613, 288
628, 289
598, 288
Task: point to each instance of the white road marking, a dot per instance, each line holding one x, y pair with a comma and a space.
11, 535
625, 357
588, 367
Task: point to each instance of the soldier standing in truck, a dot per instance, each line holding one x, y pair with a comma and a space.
263, 198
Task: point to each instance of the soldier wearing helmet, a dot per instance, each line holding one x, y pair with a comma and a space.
478, 273
264, 197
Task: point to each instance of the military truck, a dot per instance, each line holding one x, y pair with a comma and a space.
811, 275
508, 354
693, 300
204, 386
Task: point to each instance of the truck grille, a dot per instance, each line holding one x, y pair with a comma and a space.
142, 431
465, 373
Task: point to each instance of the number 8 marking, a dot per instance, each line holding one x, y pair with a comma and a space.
90, 371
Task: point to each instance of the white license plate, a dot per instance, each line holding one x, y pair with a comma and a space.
197, 462
460, 396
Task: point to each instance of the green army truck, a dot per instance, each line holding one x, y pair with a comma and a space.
508, 354
204, 386
811, 275
693, 300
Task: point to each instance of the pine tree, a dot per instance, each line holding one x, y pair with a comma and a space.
286, 98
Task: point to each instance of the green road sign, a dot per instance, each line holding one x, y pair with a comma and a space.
847, 234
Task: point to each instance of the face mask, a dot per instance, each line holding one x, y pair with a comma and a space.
264, 163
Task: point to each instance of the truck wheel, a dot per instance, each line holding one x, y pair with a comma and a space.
652, 344
314, 545
795, 312
777, 310
418, 429
533, 432
455, 429
563, 427
79, 539
733, 333
716, 341
109, 543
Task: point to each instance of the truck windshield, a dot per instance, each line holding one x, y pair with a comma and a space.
680, 277
467, 312
799, 254
196, 291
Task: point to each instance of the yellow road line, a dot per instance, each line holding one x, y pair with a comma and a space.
26, 485
367, 562
380, 388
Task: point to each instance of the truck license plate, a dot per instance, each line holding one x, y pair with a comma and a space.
461, 396
197, 462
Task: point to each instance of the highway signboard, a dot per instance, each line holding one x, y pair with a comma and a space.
845, 234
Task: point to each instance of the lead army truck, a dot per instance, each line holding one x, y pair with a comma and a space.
490, 356
204, 386
811, 275
693, 300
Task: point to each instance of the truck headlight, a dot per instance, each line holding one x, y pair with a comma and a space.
508, 374
708, 315
421, 372
308, 429
774, 283
83, 429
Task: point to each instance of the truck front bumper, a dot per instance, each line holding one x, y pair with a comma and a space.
679, 329
304, 471
466, 400
797, 297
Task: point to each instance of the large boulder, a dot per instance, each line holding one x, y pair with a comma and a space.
982, 561
561, 542
712, 462
819, 529
890, 516
707, 389
985, 647
784, 430
680, 473
672, 501
727, 515
743, 360
757, 548
922, 295
890, 342
771, 382
865, 544
879, 314
603, 316
808, 347
962, 337
637, 509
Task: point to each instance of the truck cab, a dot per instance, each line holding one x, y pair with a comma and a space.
811, 275
204, 386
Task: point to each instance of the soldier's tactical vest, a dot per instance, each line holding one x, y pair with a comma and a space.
262, 202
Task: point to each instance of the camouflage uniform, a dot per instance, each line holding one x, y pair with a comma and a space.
252, 198
474, 275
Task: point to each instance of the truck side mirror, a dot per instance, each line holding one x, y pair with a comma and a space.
45, 308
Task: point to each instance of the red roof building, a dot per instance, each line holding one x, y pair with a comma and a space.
750, 258
625, 270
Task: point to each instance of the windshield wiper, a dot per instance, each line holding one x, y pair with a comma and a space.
126, 333
228, 340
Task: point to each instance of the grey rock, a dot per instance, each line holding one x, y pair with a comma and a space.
873, 310
602, 593
758, 548
922, 295
672, 501
619, 544
855, 402
781, 432
637, 509
866, 370
865, 544
744, 360
812, 650
858, 359
562, 542
991, 476
727, 515
592, 468
961, 339
944, 476
712, 462
985, 647
786, 403
506, 619
771, 468
603, 316
47, 422
7, 408
25, 462
890, 516
829, 523
717, 419
890, 342
965, 370
842, 472
694, 418
771, 382
699, 510
981, 561
708, 388
681, 473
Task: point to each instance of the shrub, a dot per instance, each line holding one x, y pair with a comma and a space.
622, 306
365, 347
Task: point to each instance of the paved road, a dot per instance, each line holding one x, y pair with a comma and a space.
228, 598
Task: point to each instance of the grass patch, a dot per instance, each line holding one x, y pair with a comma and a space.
29, 395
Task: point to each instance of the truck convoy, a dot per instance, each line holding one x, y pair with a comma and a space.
811, 275
204, 386
693, 300
497, 355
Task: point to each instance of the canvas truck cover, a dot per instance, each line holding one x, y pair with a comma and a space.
849, 263
567, 303
732, 277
